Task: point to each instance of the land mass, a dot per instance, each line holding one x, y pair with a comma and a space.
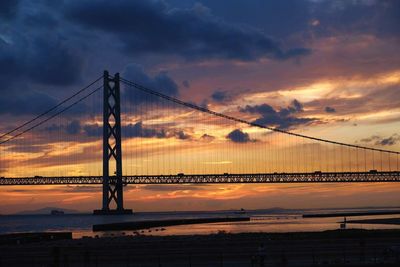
329, 248
45, 211
349, 214
392, 221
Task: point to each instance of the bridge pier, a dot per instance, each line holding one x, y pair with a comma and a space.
112, 152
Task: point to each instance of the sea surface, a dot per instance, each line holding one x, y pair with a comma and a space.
273, 220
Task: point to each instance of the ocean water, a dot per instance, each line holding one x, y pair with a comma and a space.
260, 221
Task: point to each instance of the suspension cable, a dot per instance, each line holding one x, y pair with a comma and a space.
52, 116
206, 110
49, 110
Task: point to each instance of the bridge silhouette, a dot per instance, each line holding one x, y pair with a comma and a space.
268, 155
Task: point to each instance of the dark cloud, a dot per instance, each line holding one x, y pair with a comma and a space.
265, 15
238, 136
59, 64
8, 8
296, 106
47, 60
380, 18
73, 127
42, 19
392, 140
330, 110
28, 61
93, 130
382, 141
220, 96
283, 118
52, 128
194, 33
34, 54
129, 131
332, 17
207, 138
137, 130
186, 84
203, 104
161, 82
25, 101
182, 135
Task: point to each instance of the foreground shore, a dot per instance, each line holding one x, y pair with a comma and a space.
329, 248
138, 225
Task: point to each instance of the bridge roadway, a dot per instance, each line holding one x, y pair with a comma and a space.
310, 177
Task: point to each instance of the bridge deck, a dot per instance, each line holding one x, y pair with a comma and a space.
311, 177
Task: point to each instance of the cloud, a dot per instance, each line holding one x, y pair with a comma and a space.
389, 141
59, 64
238, 136
296, 106
170, 188
330, 110
283, 118
161, 82
29, 148
137, 130
220, 96
41, 18
129, 130
21, 102
8, 9
182, 135
186, 84
72, 128
193, 33
382, 141
379, 96
43, 59
329, 17
29, 60
93, 130
365, 17
266, 15
207, 138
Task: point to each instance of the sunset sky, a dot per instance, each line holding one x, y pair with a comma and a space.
329, 69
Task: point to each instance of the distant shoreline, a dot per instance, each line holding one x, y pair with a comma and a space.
349, 214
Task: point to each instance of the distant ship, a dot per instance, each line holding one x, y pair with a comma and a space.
57, 212
241, 211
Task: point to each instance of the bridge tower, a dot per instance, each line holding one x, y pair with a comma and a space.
112, 152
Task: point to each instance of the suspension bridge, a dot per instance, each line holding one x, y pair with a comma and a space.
170, 141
